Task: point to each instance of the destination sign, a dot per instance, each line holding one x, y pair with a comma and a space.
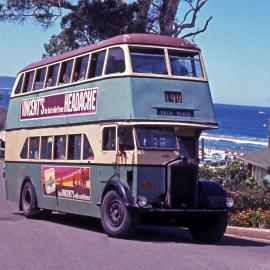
175, 112
71, 103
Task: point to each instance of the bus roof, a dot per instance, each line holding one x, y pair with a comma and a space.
143, 39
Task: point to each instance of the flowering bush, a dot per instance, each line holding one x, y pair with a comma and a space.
250, 218
251, 201
253, 218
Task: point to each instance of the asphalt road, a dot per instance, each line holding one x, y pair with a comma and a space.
61, 241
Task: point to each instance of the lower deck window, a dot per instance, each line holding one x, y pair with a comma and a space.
34, 148
74, 147
59, 147
108, 142
156, 138
87, 149
23, 154
46, 147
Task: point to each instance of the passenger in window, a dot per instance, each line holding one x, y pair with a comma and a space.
49, 82
65, 78
75, 76
36, 154
82, 75
183, 71
62, 156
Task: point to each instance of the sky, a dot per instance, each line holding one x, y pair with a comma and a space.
235, 49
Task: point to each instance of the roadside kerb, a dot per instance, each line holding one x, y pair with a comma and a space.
249, 232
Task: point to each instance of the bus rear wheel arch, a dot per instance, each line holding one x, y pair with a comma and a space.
118, 220
29, 200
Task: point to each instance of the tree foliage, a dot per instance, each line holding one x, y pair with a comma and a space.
89, 21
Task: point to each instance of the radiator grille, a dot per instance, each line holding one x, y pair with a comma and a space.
183, 186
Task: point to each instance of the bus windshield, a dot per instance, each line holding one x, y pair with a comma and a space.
185, 64
156, 138
148, 60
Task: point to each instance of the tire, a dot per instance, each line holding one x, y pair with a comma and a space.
209, 228
117, 219
29, 201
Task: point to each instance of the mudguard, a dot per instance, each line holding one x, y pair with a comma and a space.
211, 195
122, 189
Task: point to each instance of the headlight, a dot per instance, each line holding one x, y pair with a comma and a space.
229, 202
142, 201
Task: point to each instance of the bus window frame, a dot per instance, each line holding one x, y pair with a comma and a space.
34, 76
68, 144
52, 147
60, 71
19, 76
116, 139
90, 53
128, 70
200, 62
150, 73
138, 146
107, 60
40, 68
169, 74
90, 62
74, 65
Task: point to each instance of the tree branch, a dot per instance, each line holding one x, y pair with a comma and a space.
198, 30
194, 10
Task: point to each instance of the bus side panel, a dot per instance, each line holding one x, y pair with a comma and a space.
17, 173
13, 181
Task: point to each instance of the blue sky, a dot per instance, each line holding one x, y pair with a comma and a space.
235, 49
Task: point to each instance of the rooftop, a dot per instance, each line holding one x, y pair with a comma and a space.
144, 39
260, 158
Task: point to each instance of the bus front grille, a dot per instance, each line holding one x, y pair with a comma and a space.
182, 186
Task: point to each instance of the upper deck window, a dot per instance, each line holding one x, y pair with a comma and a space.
80, 68
148, 60
40, 78
28, 81
19, 85
185, 64
65, 74
52, 75
97, 62
116, 61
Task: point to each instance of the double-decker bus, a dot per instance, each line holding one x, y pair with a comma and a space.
111, 131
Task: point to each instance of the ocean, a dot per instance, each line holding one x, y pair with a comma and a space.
241, 128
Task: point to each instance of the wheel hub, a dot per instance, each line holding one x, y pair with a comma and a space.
116, 213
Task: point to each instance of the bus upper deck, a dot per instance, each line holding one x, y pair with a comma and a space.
151, 77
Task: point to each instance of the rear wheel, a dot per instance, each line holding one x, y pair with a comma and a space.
117, 219
209, 228
29, 201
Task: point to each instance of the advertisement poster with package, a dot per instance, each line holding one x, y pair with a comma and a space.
66, 182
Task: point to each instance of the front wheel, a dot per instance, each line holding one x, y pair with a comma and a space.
117, 219
209, 228
29, 201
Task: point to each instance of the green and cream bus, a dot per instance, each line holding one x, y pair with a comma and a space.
111, 131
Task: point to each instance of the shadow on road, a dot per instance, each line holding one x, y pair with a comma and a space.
146, 233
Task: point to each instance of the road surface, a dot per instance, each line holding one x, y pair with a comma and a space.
61, 241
